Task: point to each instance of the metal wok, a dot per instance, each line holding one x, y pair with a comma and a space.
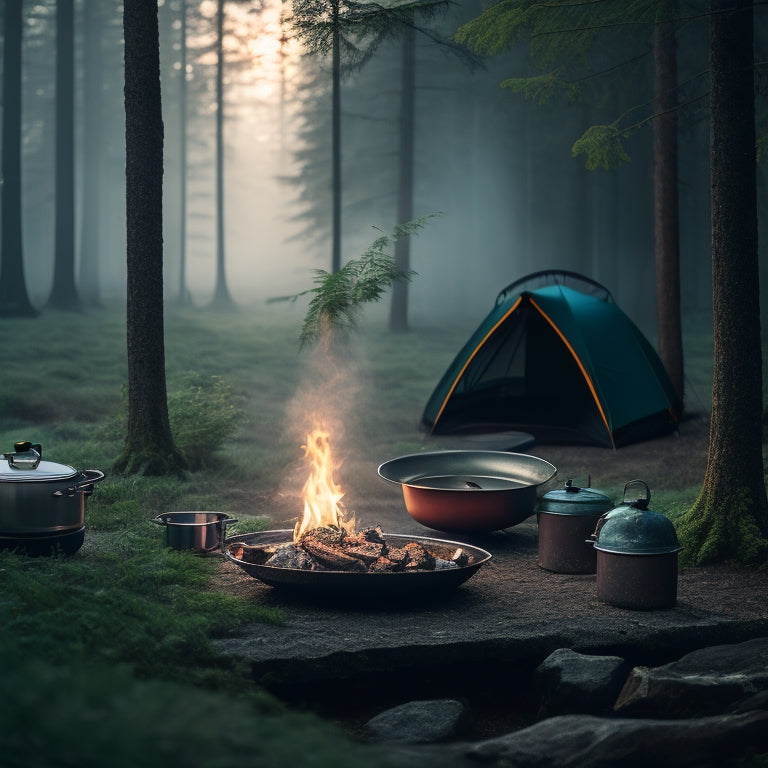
365, 585
469, 490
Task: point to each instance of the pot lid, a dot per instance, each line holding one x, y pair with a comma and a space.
573, 500
25, 464
633, 529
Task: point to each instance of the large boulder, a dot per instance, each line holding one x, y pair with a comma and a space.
586, 741
711, 680
421, 722
568, 682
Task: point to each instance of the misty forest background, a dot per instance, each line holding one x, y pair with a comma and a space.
498, 168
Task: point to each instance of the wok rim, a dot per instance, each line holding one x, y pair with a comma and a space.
412, 482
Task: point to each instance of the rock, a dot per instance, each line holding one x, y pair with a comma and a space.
704, 682
421, 722
575, 683
586, 741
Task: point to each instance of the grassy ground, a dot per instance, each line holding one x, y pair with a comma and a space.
118, 635
107, 652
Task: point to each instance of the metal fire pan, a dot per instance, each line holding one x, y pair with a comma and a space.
350, 584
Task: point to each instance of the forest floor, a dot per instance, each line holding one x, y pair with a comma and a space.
511, 612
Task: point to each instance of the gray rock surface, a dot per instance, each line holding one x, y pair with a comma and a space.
571, 683
421, 722
703, 682
584, 741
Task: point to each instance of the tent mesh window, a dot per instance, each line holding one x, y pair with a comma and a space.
519, 376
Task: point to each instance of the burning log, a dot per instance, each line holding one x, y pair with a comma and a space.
331, 548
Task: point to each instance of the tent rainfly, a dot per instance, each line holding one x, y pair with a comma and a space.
560, 361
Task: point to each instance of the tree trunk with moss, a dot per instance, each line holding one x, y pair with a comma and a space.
149, 447
729, 521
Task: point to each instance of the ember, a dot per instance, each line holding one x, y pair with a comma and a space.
335, 549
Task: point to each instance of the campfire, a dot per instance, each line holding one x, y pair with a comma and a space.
325, 537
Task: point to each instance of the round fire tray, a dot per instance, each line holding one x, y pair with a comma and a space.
349, 583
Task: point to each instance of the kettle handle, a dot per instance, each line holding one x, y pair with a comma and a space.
640, 503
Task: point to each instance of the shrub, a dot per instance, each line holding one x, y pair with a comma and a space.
203, 417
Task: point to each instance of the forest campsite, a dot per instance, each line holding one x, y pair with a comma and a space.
112, 650
247, 256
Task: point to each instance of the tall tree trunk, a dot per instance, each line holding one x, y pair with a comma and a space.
92, 156
64, 292
336, 140
149, 447
729, 520
14, 301
666, 225
221, 296
184, 297
398, 312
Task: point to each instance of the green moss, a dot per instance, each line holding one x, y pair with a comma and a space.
721, 532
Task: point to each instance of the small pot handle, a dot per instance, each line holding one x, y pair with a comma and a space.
159, 520
90, 476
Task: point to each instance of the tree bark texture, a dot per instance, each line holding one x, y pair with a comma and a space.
221, 297
14, 300
149, 447
398, 313
730, 518
336, 139
64, 291
90, 217
666, 216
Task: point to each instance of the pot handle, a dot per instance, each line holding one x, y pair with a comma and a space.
90, 476
640, 503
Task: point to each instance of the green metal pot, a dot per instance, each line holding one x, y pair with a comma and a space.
637, 552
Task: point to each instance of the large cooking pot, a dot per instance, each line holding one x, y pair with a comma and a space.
469, 490
41, 497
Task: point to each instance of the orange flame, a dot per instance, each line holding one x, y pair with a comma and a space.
322, 497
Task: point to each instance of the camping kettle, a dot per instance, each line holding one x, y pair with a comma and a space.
637, 553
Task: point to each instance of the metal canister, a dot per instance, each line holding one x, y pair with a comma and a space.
566, 519
637, 554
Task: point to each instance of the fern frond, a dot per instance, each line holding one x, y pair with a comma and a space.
338, 297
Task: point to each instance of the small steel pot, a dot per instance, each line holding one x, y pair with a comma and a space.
41, 497
566, 519
637, 552
200, 531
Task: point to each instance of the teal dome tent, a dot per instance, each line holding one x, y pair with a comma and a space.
556, 358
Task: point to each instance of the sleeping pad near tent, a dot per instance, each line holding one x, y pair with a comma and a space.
563, 365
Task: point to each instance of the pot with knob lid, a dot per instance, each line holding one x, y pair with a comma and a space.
566, 517
41, 498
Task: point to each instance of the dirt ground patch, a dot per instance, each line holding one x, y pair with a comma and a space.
674, 462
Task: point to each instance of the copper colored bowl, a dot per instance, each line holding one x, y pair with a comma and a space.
469, 490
